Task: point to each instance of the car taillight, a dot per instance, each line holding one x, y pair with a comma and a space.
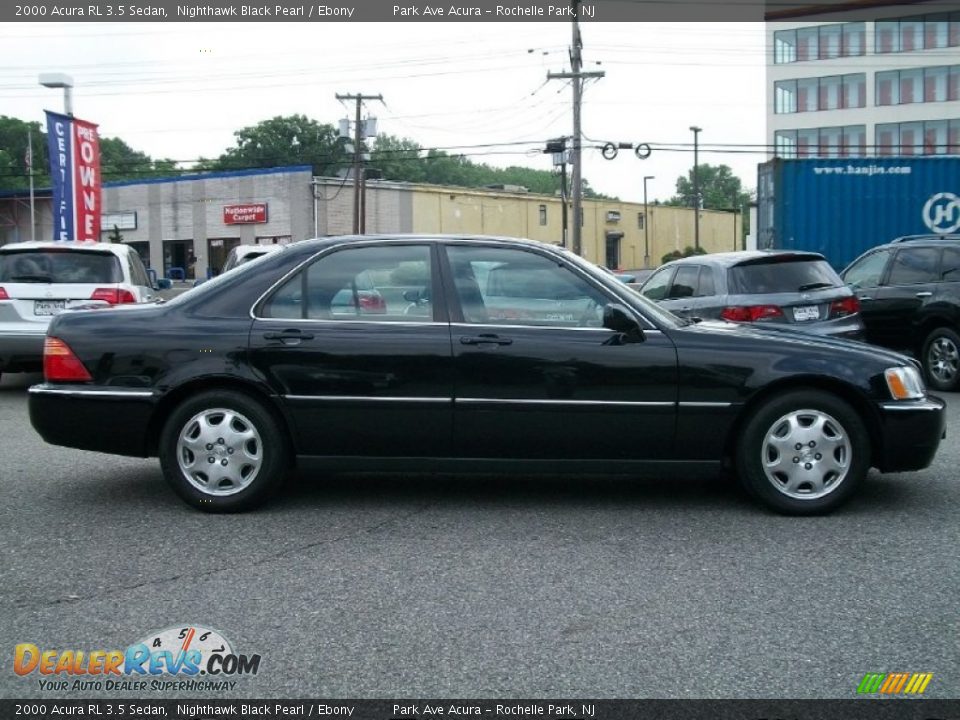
60, 364
114, 296
846, 306
3, 294
750, 313
373, 303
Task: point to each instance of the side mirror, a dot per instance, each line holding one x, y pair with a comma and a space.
617, 318
411, 295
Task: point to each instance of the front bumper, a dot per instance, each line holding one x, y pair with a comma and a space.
107, 420
911, 432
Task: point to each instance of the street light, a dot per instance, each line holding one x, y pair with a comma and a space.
696, 189
646, 224
60, 80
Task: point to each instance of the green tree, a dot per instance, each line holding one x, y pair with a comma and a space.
13, 154
720, 189
290, 140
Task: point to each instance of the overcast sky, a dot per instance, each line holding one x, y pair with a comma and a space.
179, 90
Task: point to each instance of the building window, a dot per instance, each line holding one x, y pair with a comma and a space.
933, 137
824, 42
543, 214
854, 90
640, 221
785, 46
924, 32
920, 85
828, 142
785, 96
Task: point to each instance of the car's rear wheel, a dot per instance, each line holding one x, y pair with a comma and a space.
223, 451
803, 453
941, 359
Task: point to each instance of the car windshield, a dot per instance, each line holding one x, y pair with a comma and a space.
783, 276
59, 266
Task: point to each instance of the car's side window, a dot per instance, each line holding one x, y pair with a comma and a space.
706, 287
685, 282
656, 287
914, 265
950, 265
503, 286
868, 271
389, 283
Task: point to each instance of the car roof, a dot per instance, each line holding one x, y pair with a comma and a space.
745, 257
315, 244
115, 248
925, 239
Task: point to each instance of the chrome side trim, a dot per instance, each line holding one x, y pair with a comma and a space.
921, 405
524, 401
39, 390
705, 404
368, 398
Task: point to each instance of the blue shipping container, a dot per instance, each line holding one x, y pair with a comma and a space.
843, 207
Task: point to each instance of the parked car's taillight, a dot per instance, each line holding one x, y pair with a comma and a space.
750, 313
373, 302
846, 306
3, 294
114, 296
60, 364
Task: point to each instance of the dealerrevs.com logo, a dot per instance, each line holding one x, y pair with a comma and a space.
186, 657
897, 683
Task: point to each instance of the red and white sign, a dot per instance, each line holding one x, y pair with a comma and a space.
245, 214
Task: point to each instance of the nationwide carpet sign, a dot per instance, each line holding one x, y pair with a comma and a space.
74, 147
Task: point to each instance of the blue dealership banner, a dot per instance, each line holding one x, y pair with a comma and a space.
74, 149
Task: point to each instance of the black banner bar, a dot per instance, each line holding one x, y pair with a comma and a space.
865, 709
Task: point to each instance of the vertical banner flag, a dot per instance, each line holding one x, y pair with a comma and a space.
74, 149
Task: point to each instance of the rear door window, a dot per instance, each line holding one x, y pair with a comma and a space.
783, 276
912, 266
60, 266
685, 282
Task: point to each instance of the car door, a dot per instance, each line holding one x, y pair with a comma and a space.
537, 375
691, 292
910, 282
361, 374
864, 276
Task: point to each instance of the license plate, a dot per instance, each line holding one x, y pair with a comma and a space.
48, 307
806, 312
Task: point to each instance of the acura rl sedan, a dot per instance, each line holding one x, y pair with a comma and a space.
485, 354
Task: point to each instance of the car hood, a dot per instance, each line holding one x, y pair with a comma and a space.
788, 339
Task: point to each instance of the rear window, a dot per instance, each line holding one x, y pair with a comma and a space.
60, 266
783, 277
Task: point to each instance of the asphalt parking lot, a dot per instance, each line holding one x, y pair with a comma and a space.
423, 586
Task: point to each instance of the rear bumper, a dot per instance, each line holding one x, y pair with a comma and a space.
911, 434
21, 351
850, 328
108, 420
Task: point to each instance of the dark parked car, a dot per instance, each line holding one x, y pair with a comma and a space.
233, 383
785, 289
909, 293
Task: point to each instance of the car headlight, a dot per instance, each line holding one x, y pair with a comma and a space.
904, 383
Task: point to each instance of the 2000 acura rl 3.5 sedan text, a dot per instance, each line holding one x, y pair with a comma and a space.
489, 354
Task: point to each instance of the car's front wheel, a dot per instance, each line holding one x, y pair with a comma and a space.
804, 452
223, 451
941, 359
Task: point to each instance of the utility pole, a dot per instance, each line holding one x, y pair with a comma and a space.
357, 137
646, 223
29, 162
576, 77
696, 188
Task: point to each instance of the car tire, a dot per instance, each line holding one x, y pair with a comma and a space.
224, 451
940, 358
779, 466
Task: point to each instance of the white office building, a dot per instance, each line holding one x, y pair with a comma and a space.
885, 87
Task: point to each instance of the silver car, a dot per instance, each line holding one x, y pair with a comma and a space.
787, 289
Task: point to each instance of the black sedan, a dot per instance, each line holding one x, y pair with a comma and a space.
485, 354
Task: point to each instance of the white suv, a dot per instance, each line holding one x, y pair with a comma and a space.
40, 279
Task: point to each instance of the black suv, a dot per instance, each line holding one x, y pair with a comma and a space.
909, 292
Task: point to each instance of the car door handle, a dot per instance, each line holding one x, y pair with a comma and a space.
285, 335
485, 340
924, 294
864, 297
